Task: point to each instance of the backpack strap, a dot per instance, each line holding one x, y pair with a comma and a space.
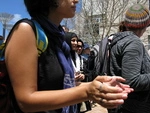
103, 55
42, 40
1, 51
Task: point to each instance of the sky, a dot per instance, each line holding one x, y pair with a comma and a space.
16, 8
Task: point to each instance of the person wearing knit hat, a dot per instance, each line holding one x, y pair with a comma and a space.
130, 60
137, 17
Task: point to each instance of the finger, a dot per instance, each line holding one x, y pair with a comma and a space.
76, 77
110, 103
112, 96
116, 81
104, 88
103, 78
119, 79
128, 90
124, 85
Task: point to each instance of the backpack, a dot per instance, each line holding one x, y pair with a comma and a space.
5, 86
102, 59
88, 66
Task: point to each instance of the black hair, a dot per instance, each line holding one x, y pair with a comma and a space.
68, 37
40, 7
79, 40
66, 29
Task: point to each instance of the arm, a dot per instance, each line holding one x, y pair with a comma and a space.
22, 60
133, 56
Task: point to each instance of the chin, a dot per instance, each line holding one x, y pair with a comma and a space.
70, 16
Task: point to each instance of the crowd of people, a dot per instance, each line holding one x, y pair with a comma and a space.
129, 59
60, 80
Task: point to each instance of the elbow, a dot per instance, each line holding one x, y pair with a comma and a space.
24, 107
27, 105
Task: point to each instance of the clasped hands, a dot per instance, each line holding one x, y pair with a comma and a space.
109, 91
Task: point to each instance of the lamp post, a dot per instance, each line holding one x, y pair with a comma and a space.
4, 19
9, 27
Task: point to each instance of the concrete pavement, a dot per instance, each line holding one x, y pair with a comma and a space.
97, 109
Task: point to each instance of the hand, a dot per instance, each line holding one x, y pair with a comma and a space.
116, 81
79, 76
106, 91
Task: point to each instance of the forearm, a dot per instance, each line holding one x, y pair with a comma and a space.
51, 100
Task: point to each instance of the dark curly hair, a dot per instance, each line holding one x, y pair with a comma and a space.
122, 27
40, 7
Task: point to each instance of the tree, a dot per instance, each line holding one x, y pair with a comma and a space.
99, 18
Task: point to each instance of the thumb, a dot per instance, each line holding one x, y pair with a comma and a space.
103, 78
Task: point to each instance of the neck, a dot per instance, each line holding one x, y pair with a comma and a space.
139, 33
55, 19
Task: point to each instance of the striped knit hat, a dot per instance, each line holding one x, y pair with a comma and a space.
137, 17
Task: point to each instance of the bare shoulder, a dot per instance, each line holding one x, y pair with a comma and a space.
22, 32
23, 29
21, 38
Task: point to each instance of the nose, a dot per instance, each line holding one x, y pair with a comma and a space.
76, 42
75, 1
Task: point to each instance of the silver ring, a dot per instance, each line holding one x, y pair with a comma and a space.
101, 100
101, 87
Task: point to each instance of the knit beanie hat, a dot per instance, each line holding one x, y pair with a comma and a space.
137, 17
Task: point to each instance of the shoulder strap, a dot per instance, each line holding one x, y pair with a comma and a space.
42, 40
2, 51
103, 48
104, 54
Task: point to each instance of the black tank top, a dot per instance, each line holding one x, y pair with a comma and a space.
50, 75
